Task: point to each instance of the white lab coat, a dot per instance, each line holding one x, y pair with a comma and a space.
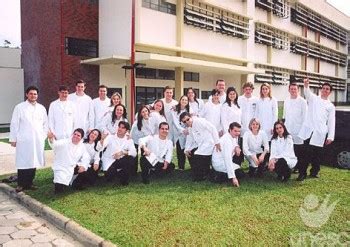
29, 126
196, 107
252, 145
178, 128
149, 127
229, 114
222, 98
94, 155
267, 113
107, 126
294, 113
114, 144
284, 148
82, 104
163, 149
211, 112
167, 112
202, 135
320, 120
98, 108
248, 107
157, 118
62, 118
67, 157
222, 161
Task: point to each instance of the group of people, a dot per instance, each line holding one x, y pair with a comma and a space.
89, 136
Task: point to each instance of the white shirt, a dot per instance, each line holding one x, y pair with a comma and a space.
252, 144
98, 109
94, 155
283, 148
247, 106
267, 113
178, 128
229, 114
82, 104
167, 112
222, 161
107, 126
149, 127
222, 98
62, 117
211, 112
157, 118
163, 149
28, 128
294, 113
320, 120
196, 107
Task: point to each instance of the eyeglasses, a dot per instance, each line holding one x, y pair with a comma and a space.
186, 120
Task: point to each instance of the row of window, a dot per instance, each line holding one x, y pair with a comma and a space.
164, 74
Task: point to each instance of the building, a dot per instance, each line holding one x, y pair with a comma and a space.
11, 82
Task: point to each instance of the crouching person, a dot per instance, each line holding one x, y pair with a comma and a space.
227, 162
119, 154
93, 147
282, 158
157, 153
71, 161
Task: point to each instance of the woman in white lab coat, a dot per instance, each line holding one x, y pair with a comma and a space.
93, 147
282, 157
110, 121
230, 111
157, 112
266, 109
196, 105
211, 111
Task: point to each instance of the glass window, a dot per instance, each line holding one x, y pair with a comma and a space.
147, 95
81, 47
205, 94
191, 76
112, 90
160, 5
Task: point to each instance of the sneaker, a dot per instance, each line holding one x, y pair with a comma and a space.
314, 176
301, 177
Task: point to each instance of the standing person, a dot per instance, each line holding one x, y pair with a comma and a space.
169, 103
111, 120
247, 103
255, 148
318, 128
28, 130
157, 153
62, 115
294, 113
227, 162
93, 147
180, 132
266, 109
230, 111
211, 111
196, 104
157, 112
82, 103
99, 106
220, 87
282, 157
200, 143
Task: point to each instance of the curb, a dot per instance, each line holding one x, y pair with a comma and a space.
86, 237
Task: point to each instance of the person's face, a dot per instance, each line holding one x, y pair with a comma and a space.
293, 90
93, 135
116, 100
145, 113
158, 106
232, 95
220, 86
121, 130
76, 138
163, 130
187, 121
265, 91
80, 88
279, 130
216, 98
248, 91
190, 95
32, 96
119, 111
63, 95
325, 91
255, 126
184, 101
168, 94
102, 93
235, 132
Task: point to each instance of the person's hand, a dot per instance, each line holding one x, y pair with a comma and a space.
13, 144
146, 151
235, 182
238, 151
306, 82
81, 169
95, 167
256, 160
218, 147
261, 158
188, 154
272, 165
165, 165
221, 133
51, 135
118, 155
328, 141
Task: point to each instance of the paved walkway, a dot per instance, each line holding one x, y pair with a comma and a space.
20, 228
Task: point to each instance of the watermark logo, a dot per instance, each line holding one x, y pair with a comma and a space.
314, 213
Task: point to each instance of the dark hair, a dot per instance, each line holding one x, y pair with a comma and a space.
184, 114
178, 106
80, 81
233, 125
113, 113
139, 116
167, 87
163, 123
126, 125
228, 101
194, 92
102, 86
30, 88
327, 84
248, 84
161, 111
62, 88
217, 81
285, 133
98, 138
81, 131
292, 84
214, 91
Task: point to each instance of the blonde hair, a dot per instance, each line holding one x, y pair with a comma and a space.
268, 86
252, 121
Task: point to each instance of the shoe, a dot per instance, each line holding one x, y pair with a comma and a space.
314, 176
295, 171
19, 189
301, 177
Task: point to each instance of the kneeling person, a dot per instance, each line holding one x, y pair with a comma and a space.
157, 153
227, 162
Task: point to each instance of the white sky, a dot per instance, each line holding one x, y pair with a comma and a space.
10, 23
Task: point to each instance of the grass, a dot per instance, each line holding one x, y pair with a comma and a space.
176, 211
47, 146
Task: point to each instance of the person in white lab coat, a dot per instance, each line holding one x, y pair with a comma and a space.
294, 114
200, 143
118, 158
157, 112
247, 103
157, 153
230, 111
111, 120
318, 128
211, 111
282, 158
71, 161
266, 109
94, 148
169, 103
256, 148
28, 130
99, 106
62, 115
196, 104
227, 162
82, 103
220, 86
180, 132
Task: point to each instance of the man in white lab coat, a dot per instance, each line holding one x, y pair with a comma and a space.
28, 132
318, 128
99, 106
294, 114
157, 153
169, 104
62, 115
82, 103
220, 86
247, 103
200, 143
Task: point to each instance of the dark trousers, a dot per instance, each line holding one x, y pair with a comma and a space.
259, 171
120, 169
200, 165
79, 182
313, 155
25, 177
134, 167
181, 157
299, 150
282, 169
147, 168
59, 188
92, 175
221, 177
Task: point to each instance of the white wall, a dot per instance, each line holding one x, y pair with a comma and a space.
10, 57
327, 68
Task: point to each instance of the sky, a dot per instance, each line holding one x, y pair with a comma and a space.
10, 21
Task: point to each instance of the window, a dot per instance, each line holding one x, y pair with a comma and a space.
160, 5
147, 95
158, 74
191, 76
112, 90
81, 47
348, 93
205, 94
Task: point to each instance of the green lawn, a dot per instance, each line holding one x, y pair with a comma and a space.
174, 211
